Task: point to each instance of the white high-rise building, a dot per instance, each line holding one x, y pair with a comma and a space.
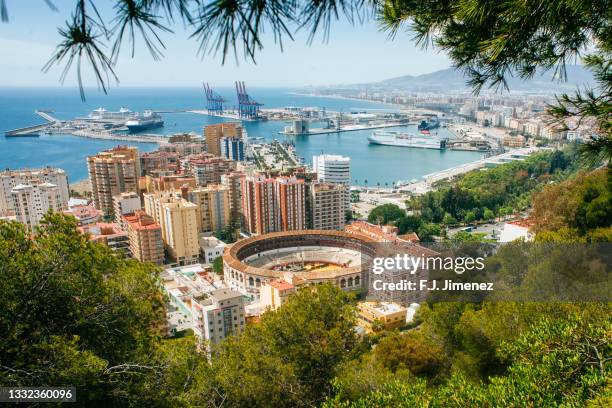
125, 203
32, 201
9, 179
334, 169
218, 315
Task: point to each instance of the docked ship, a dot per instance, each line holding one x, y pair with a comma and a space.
148, 120
405, 139
430, 124
102, 114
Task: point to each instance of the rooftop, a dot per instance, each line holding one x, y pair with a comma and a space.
223, 294
141, 221
281, 284
383, 308
103, 230
525, 223
84, 211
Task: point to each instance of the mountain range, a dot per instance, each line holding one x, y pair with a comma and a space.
451, 79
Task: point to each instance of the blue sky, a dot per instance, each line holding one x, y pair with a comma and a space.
353, 54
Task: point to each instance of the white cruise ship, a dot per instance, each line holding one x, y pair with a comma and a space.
405, 139
103, 114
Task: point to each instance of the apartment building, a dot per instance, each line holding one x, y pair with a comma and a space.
207, 168
273, 204
9, 179
385, 315
213, 206
260, 208
158, 181
334, 169
178, 220
112, 172
184, 144
214, 133
291, 199
233, 181
30, 202
273, 294
85, 214
145, 237
327, 206
125, 203
109, 234
218, 315
159, 160
233, 148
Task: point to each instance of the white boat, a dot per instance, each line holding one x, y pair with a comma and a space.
405, 139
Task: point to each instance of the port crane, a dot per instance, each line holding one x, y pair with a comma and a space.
247, 107
214, 101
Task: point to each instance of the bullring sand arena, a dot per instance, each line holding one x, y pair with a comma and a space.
309, 257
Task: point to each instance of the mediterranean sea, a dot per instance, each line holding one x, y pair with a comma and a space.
374, 163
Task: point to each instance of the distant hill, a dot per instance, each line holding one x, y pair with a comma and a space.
452, 79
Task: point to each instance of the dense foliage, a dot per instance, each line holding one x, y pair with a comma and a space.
391, 214
499, 191
575, 210
544, 360
73, 313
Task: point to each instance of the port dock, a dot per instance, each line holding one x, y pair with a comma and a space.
136, 138
227, 114
34, 130
343, 128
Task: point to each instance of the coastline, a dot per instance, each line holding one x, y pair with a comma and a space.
394, 105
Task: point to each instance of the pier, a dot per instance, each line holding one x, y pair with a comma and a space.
35, 129
345, 128
142, 138
227, 114
28, 130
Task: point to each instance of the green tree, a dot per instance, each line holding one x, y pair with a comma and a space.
71, 312
218, 265
469, 217
386, 214
464, 236
409, 223
290, 358
449, 219
487, 214
427, 232
348, 216
411, 351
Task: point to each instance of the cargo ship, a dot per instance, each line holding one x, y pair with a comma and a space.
148, 120
430, 124
405, 139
